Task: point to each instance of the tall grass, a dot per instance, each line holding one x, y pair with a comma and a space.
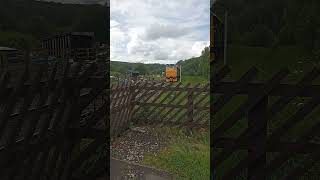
187, 156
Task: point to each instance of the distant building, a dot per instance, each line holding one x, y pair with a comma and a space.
7, 56
77, 46
133, 75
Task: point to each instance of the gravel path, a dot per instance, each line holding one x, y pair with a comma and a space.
136, 142
131, 147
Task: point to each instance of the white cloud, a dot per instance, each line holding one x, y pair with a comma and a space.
199, 46
114, 23
158, 31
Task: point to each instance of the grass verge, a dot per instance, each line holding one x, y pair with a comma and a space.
187, 156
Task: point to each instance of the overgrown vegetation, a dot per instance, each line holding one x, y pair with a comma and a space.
272, 23
197, 66
187, 156
29, 21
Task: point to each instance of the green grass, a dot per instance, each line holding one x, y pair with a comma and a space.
267, 60
187, 156
194, 80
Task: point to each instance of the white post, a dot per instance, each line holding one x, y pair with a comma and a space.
225, 37
180, 73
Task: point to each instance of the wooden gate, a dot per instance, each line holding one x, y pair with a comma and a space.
172, 104
265, 130
158, 103
48, 127
121, 107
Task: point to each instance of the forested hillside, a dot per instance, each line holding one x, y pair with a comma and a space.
121, 68
24, 22
197, 66
272, 22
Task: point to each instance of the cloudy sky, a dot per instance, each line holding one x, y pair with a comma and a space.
158, 31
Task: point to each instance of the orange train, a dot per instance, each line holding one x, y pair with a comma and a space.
172, 74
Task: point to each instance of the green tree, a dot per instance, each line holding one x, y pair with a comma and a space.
142, 69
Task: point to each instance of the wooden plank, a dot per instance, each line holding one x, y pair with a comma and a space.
199, 120
4, 80
11, 102
46, 121
278, 146
4, 117
157, 96
220, 74
97, 115
257, 137
147, 95
272, 83
283, 157
60, 110
227, 152
229, 93
283, 101
118, 115
84, 77
296, 118
133, 94
190, 106
112, 121
32, 120
16, 125
72, 138
171, 106
122, 113
283, 89
125, 120
179, 102
163, 100
52, 161
289, 92
245, 107
114, 95
129, 107
195, 107
204, 97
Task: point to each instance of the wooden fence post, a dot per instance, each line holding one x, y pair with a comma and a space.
257, 138
131, 100
72, 124
190, 105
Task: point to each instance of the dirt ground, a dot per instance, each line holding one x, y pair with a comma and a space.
136, 142
132, 146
